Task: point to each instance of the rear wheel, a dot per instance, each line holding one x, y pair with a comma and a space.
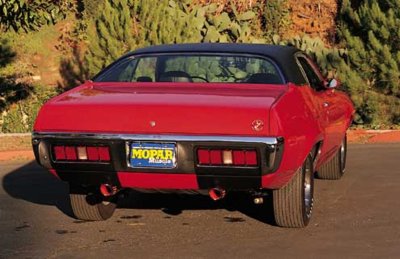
334, 169
90, 205
293, 203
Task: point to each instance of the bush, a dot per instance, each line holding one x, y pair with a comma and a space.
21, 114
128, 24
30, 15
370, 32
110, 34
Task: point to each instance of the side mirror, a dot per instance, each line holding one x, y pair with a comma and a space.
332, 83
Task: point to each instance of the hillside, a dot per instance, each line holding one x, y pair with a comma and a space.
61, 43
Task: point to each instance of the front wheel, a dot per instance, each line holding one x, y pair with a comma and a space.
293, 203
90, 205
334, 169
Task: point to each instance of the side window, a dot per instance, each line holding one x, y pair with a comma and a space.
145, 70
313, 78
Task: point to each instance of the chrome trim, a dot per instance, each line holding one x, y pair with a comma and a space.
158, 137
273, 145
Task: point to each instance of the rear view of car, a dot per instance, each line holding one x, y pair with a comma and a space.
202, 118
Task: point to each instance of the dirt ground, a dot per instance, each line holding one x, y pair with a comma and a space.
314, 18
15, 143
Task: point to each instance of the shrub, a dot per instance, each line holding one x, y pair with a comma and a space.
30, 15
127, 24
110, 34
370, 32
20, 115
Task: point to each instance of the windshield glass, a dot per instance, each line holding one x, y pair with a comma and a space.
193, 68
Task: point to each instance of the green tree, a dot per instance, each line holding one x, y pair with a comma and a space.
30, 15
110, 34
371, 34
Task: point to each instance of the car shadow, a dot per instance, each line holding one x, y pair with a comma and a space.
34, 184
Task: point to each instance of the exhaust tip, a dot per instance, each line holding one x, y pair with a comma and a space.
217, 193
108, 190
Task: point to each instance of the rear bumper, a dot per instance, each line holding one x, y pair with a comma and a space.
186, 175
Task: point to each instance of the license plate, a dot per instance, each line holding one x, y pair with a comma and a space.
154, 155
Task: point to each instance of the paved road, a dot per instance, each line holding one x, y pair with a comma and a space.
358, 216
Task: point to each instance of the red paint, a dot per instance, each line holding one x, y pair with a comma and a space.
296, 113
177, 108
300, 118
158, 181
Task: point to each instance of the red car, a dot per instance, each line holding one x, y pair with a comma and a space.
203, 118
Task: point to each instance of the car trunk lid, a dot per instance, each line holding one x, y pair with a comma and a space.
161, 108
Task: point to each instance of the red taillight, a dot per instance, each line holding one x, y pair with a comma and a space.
215, 157
227, 157
70, 153
93, 153
104, 154
82, 153
239, 157
204, 156
251, 158
59, 152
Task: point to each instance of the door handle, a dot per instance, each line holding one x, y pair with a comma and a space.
326, 104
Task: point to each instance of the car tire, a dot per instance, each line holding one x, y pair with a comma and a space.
293, 203
334, 169
91, 206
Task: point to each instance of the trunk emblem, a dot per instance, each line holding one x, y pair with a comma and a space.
152, 123
257, 125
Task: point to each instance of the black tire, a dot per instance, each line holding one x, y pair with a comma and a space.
91, 206
293, 203
334, 169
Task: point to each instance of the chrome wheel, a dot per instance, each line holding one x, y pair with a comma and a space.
308, 188
343, 150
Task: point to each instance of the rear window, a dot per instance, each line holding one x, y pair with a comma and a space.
193, 68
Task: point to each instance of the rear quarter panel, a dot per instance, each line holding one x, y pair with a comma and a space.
295, 117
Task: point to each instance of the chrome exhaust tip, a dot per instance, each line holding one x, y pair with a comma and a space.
217, 193
108, 190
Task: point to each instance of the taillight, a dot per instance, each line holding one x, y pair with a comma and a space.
227, 157
104, 154
70, 153
93, 153
81, 153
59, 152
215, 157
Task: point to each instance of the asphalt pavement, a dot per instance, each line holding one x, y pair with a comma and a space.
355, 217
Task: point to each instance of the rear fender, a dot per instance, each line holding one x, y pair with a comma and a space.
295, 117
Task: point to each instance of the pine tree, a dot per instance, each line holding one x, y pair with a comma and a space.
111, 34
371, 33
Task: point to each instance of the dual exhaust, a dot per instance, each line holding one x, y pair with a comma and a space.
217, 193
108, 190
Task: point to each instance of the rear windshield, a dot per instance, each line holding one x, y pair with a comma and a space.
193, 68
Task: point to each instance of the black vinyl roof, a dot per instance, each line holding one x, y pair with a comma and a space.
283, 56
